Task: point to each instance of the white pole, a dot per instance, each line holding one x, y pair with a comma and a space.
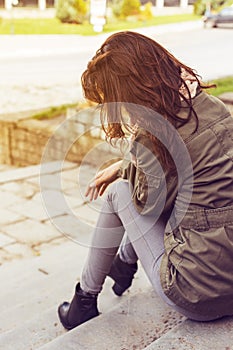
159, 4
8, 4
98, 10
42, 4
183, 4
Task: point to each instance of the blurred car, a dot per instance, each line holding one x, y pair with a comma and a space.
222, 17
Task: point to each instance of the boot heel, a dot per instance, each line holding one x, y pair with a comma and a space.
118, 290
122, 274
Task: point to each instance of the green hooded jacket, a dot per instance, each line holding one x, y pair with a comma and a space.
197, 200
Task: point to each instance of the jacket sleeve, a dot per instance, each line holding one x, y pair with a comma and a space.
153, 191
125, 168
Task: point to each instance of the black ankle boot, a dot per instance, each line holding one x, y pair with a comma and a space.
123, 274
82, 308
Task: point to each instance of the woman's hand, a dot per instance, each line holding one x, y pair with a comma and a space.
101, 181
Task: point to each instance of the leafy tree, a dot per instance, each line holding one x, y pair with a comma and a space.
71, 11
147, 11
200, 6
130, 8
116, 7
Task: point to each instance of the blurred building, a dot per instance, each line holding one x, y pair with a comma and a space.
42, 4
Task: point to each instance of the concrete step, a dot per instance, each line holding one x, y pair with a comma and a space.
33, 289
43, 326
34, 170
217, 335
32, 286
34, 333
131, 325
19, 274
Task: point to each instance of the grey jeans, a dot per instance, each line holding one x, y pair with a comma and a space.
121, 227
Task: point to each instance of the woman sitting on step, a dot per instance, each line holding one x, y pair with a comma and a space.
171, 207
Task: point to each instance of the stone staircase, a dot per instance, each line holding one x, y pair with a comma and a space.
32, 288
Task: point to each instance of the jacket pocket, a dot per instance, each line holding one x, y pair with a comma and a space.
148, 185
224, 134
149, 194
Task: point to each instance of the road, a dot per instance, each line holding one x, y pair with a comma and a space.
39, 73
209, 51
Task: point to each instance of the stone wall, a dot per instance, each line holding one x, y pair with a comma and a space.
77, 137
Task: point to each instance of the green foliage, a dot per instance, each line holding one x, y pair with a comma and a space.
130, 8
54, 25
223, 85
116, 8
200, 6
147, 13
227, 3
71, 11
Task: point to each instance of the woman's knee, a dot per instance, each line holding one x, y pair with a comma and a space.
119, 189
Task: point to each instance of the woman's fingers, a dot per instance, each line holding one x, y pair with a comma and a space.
96, 193
103, 188
101, 181
93, 191
88, 191
91, 187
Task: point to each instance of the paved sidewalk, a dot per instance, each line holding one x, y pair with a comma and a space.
30, 224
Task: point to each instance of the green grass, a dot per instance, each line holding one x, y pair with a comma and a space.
223, 85
53, 112
122, 25
57, 111
54, 26
42, 26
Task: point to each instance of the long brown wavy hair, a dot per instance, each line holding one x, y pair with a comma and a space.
131, 69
